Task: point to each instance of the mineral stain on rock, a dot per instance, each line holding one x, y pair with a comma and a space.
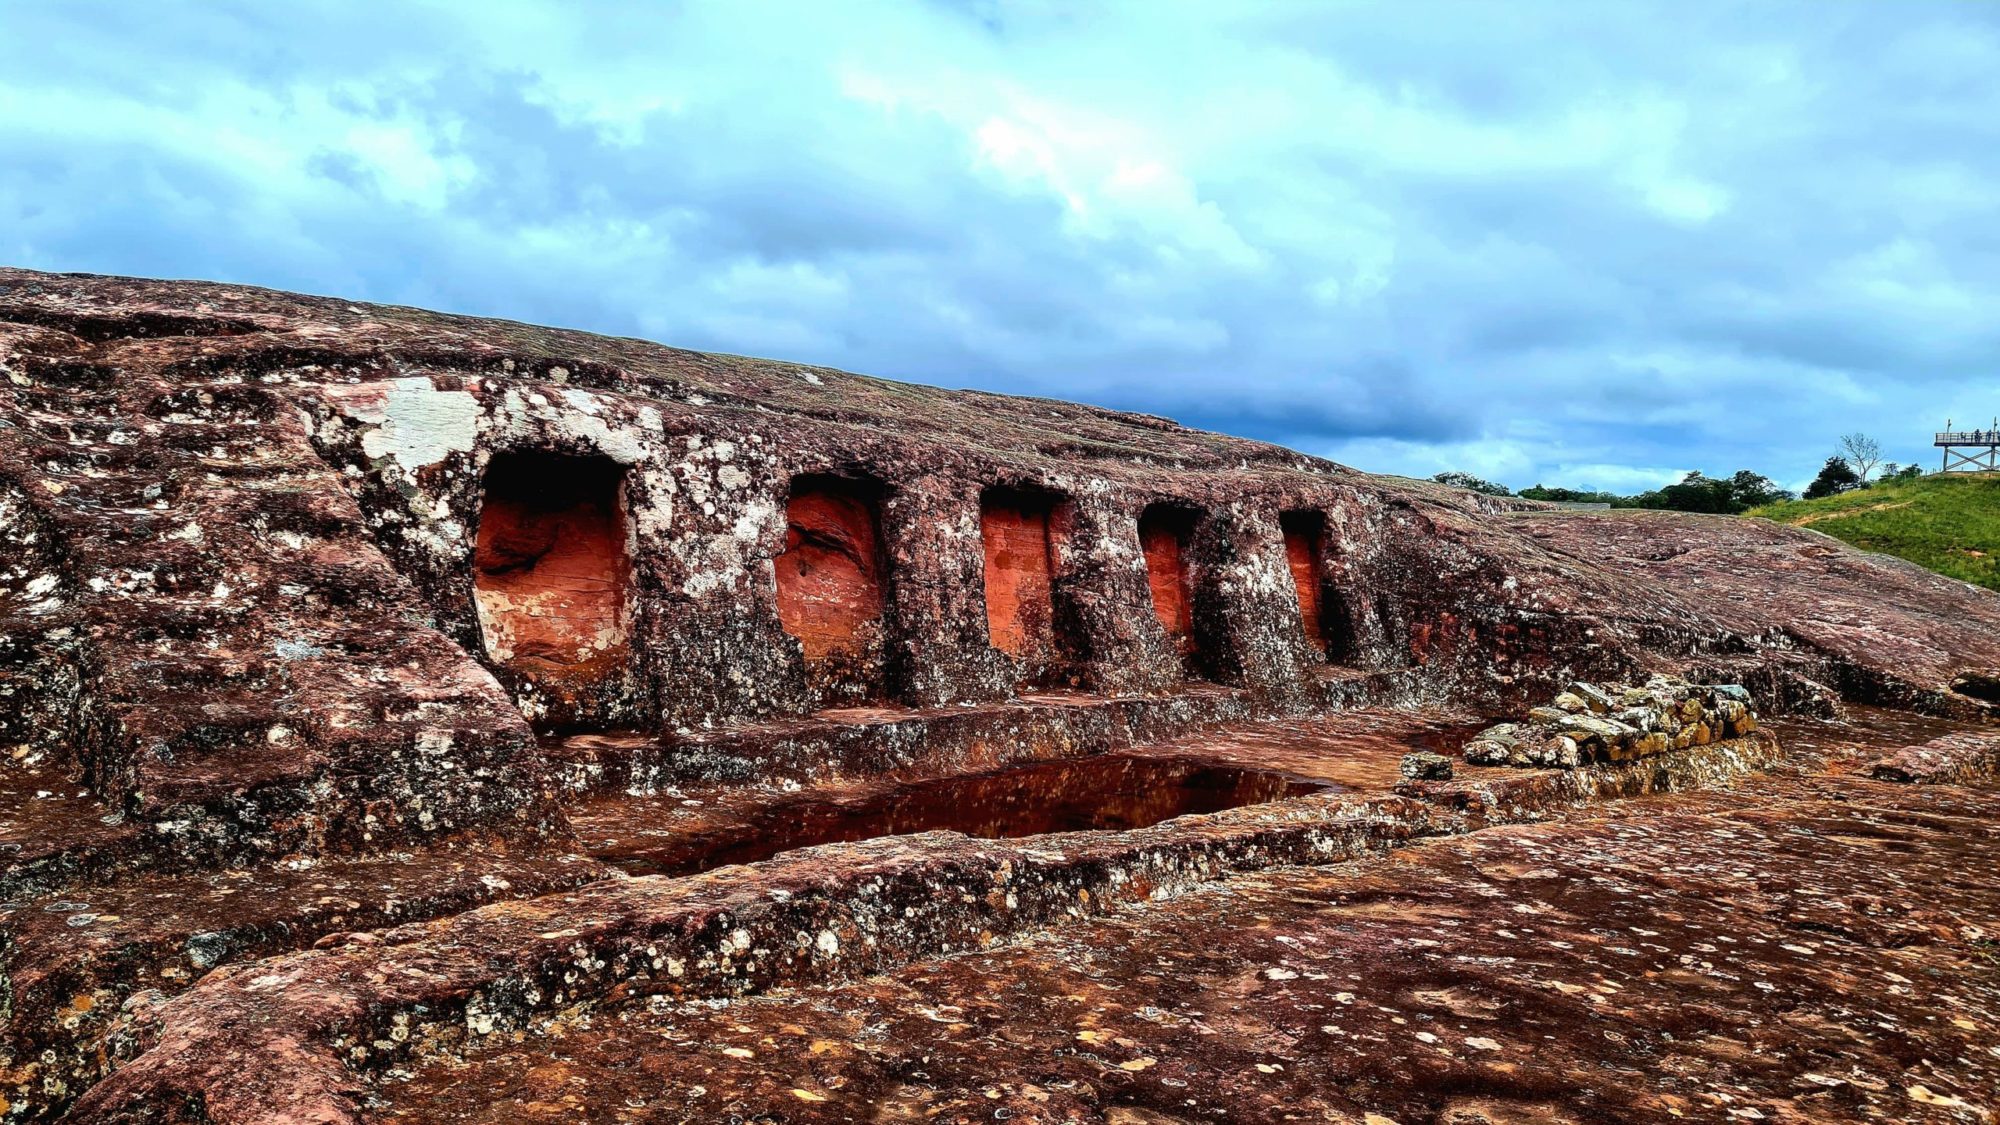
980, 757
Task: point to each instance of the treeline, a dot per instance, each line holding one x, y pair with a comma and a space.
1698, 492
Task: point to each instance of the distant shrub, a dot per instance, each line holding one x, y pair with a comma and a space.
1467, 480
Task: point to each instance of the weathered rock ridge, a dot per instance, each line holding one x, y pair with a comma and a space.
398, 619
245, 608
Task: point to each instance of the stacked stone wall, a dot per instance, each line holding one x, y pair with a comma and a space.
1593, 723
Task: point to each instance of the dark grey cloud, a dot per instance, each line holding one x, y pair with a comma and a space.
1539, 241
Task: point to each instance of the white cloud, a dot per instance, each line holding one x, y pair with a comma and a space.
1687, 200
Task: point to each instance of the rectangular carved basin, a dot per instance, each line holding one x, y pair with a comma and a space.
1110, 792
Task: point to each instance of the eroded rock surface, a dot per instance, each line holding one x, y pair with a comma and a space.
351, 655
1797, 951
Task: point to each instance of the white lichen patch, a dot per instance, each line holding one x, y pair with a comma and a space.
415, 423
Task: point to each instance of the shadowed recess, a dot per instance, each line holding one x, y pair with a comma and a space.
830, 576
550, 572
1302, 554
1163, 538
1014, 528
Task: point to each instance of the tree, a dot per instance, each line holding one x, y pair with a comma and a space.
1754, 490
1835, 477
1863, 454
1467, 480
1907, 472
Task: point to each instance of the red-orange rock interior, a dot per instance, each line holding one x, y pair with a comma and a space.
830, 586
1302, 554
1014, 528
1163, 538
549, 566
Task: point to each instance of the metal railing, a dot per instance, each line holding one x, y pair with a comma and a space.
1968, 437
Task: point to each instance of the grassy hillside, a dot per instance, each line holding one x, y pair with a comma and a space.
1949, 523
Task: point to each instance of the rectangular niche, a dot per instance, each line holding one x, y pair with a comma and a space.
1014, 528
831, 577
1164, 532
1303, 554
550, 575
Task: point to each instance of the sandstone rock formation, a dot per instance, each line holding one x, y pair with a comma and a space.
353, 655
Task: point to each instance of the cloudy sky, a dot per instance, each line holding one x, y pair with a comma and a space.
1590, 245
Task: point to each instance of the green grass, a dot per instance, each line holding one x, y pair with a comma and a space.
1947, 522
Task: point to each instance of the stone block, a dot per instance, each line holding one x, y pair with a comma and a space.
1426, 766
